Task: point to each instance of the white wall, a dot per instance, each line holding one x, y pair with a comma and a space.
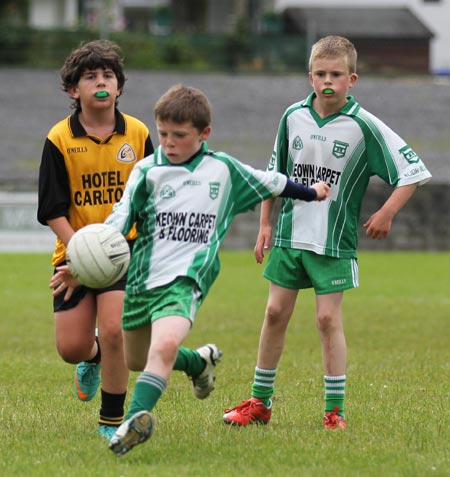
435, 15
64, 13
52, 13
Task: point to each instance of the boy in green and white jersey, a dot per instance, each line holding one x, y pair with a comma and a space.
183, 198
326, 137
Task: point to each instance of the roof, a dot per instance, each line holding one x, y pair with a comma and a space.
357, 22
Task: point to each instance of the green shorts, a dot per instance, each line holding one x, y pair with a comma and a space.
299, 269
182, 297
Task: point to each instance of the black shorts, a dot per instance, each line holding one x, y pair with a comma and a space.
80, 292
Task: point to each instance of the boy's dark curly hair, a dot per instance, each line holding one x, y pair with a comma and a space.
90, 56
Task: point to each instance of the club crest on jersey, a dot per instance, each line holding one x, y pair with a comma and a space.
339, 149
409, 154
214, 190
167, 192
297, 143
126, 154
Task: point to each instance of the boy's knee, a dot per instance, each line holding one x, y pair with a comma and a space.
112, 338
74, 353
167, 348
326, 322
276, 314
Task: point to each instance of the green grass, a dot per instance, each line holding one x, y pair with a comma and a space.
397, 393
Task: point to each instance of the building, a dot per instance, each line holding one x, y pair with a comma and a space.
433, 14
388, 40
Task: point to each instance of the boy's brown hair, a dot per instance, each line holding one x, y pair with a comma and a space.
181, 104
90, 56
334, 47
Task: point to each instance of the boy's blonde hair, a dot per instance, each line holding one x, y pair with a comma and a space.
334, 47
181, 104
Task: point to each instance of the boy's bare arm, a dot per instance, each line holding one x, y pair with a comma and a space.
62, 281
61, 228
265, 230
379, 224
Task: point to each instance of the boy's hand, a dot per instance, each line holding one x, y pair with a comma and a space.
262, 242
322, 189
63, 280
378, 225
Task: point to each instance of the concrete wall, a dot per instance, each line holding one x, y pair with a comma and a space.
423, 224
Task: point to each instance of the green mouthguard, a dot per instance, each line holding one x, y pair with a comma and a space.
328, 91
101, 94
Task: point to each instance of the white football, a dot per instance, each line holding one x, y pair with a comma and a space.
98, 255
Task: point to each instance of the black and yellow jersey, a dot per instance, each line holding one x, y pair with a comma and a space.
81, 176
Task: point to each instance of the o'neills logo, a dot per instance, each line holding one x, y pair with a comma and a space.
126, 154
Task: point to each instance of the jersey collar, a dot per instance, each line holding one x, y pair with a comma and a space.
190, 163
79, 131
350, 108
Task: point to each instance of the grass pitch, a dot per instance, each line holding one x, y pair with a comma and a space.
398, 392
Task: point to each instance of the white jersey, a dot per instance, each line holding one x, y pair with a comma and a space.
183, 213
343, 150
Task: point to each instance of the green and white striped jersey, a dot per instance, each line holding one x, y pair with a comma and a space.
343, 150
183, 212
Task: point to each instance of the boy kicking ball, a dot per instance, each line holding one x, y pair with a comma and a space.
183, 199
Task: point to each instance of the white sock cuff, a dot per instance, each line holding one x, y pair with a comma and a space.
334, 378
265, 371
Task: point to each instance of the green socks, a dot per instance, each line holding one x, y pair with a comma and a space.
263, 388
263, 384
334, 393
149, 388
189, 361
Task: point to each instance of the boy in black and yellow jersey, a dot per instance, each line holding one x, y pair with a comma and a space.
86, 161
